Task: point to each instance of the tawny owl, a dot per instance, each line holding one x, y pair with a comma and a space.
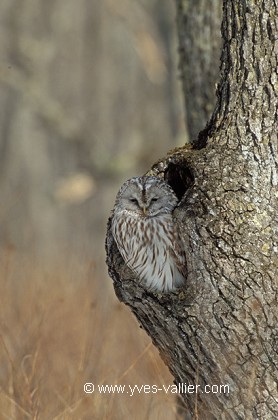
146, 235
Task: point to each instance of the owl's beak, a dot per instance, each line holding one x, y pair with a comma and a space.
144, 210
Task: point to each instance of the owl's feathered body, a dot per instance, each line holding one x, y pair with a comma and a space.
146, 235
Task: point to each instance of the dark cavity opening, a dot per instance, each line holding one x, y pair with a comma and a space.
179, 177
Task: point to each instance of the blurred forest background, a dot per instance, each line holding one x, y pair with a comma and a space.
90, 96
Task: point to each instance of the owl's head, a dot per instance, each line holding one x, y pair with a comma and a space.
146, 196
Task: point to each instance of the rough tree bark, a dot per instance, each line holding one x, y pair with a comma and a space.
222, 329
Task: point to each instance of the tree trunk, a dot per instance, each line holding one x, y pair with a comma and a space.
222, 329
199, 34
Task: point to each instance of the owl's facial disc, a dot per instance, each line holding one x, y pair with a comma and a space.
146, 197
140, 205
150, 205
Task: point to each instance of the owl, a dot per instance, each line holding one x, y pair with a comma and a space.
146, 235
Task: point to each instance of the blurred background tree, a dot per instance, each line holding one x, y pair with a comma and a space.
200, 45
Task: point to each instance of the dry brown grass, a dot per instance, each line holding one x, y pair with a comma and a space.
61, 326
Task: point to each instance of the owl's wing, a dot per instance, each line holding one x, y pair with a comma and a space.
178, 251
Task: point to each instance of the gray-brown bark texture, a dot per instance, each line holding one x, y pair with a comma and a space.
222, 329
199, 34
